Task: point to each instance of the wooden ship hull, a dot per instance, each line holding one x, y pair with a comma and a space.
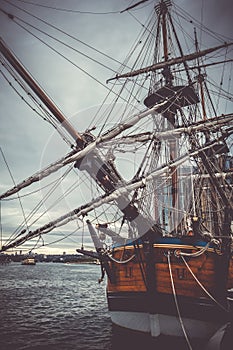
150, 297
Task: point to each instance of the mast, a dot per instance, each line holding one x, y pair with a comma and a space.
200, 80
169, 113
40, 93
164, 10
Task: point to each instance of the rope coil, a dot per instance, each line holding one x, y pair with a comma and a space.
178, 253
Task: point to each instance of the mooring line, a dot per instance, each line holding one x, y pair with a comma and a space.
176, 302
201, 285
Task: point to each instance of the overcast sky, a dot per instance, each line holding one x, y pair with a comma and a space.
27, 141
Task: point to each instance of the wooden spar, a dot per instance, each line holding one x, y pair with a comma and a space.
107, 198
171, 62
103, 258
203, 65
169, 114
10, 57
215, 123
179, 46
131, 7
164, 30
200, 80
74, 156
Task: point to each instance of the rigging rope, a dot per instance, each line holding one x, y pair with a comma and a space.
16, 232
46, 116
12, 178
179, 253
201, 285
176, 302
63, 32
48, 194
186, 16
68, 10
55, 241
120, 261
32, 192
59, 41
67, 59
70, 61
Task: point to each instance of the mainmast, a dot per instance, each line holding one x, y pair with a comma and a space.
163, 12
200, 80
169, 114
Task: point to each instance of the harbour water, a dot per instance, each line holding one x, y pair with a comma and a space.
62, 306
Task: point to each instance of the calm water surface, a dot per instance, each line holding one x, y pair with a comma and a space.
58, 306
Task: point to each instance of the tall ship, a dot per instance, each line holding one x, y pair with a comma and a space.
158, 180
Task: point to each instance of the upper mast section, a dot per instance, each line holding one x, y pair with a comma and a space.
177, 95
162, 12
168, 76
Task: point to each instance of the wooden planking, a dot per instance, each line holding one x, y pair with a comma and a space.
129, 275
230, 274
184, 282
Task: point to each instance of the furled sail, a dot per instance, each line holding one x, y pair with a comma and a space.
120, 193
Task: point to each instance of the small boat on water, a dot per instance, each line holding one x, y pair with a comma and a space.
28, 261
160, 222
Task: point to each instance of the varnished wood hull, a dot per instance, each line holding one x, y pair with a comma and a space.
156, 312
